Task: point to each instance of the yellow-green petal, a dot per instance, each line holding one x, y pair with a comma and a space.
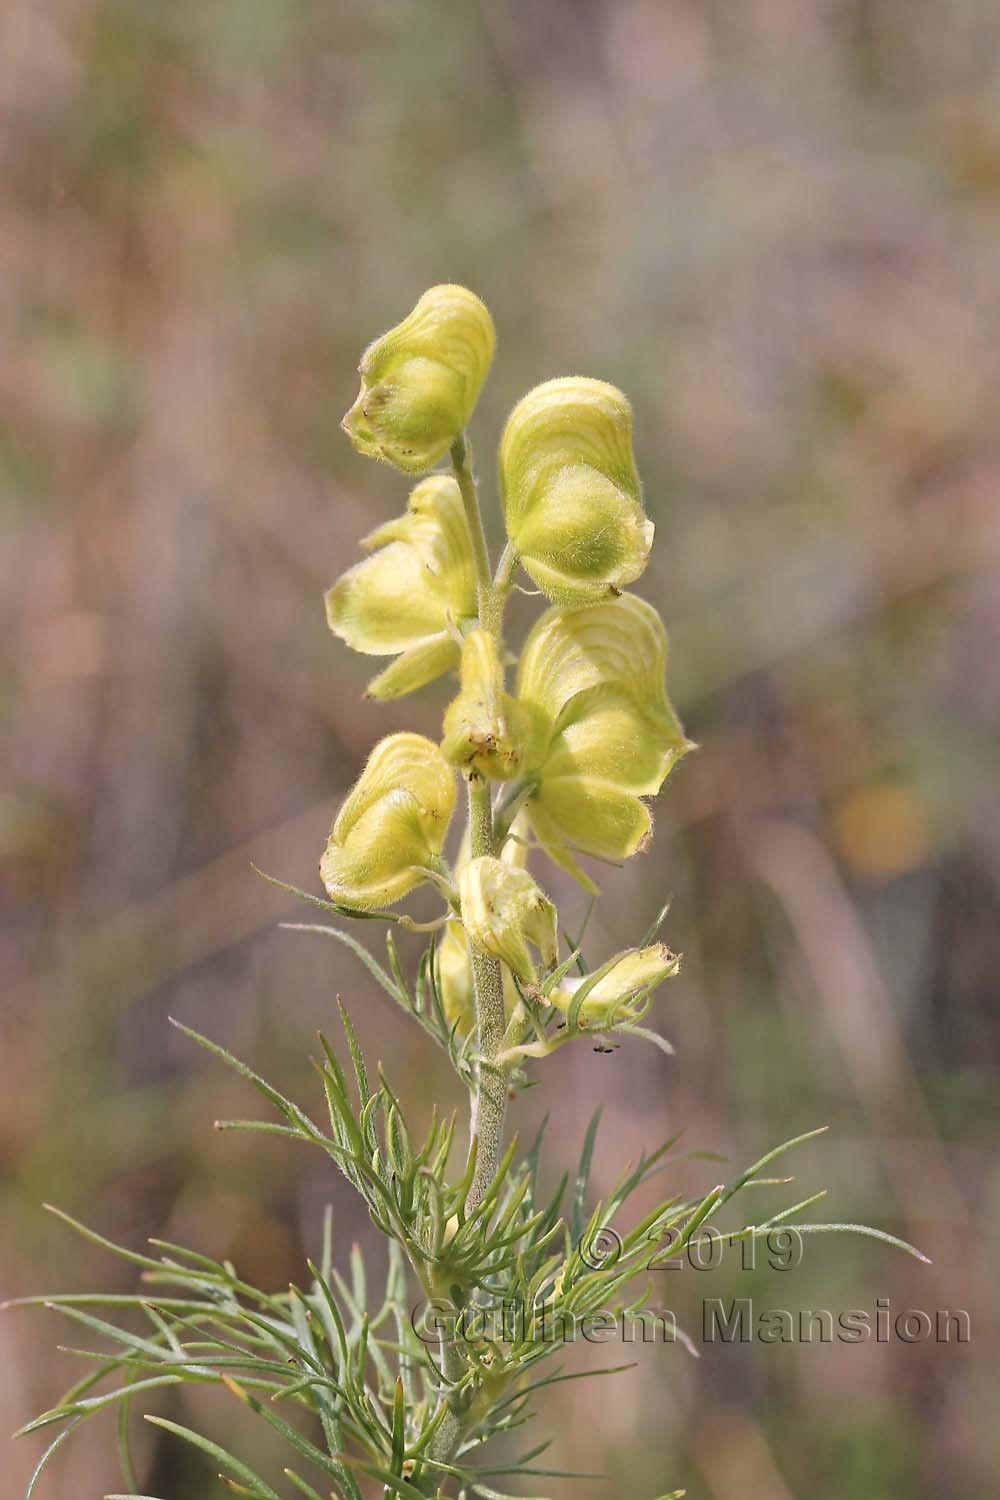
421, 380
385, 604
485, 729
618, 981
619, 642
505, 912
571, 493
414, 595
416, 667
392, 824
595, 817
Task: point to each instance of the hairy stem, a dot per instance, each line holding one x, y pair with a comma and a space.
489, 1102
489, 1094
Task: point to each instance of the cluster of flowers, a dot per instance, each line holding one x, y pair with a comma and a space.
588, 732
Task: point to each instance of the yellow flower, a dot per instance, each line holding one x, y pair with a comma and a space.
414, 595
604, 735
392, 825
421, 380
571, 494
484, 727
611, 988
505, 912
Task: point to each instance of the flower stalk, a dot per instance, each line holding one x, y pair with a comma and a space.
566, 765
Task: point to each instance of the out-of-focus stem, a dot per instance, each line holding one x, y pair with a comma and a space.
489, 1093
491, 600
489, 1103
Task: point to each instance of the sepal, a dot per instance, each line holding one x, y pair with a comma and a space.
604, 734
485, 729
606, 996
392, 825
505, 912
411, 598
571, 493
421, 380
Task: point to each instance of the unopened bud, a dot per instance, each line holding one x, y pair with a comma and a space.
454, 967
392, 824
612, 988
571, 493
484, 727
421, 380
505, 912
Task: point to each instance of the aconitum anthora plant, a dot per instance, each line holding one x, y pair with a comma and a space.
552, 762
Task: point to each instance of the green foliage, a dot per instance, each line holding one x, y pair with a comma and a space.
519, 1272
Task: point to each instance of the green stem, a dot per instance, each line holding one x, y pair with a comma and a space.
491, 600
489, 1102
489, 1094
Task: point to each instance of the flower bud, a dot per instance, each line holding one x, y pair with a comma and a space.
392, 824
484, 727
411, 598
571, 493
611, 989
604, 734
504, 911
454, 968
421, 380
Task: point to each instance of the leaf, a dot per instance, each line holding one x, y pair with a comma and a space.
398, 1428
238, 1469
292, 1436
357, 1057
95, 1403
300, 1484
865, 1229
284, 1106
335, 907
392, 1482
47, 1455
734, 1187
371, 964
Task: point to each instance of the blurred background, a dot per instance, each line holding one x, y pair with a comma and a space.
775, 225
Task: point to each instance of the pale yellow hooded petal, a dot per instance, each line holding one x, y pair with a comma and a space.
421, 380
571, 493
604, 733
392, 824
414, 594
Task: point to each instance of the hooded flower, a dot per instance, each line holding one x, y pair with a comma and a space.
392, 824
421, 380
604, 735
414, 595
571, 494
